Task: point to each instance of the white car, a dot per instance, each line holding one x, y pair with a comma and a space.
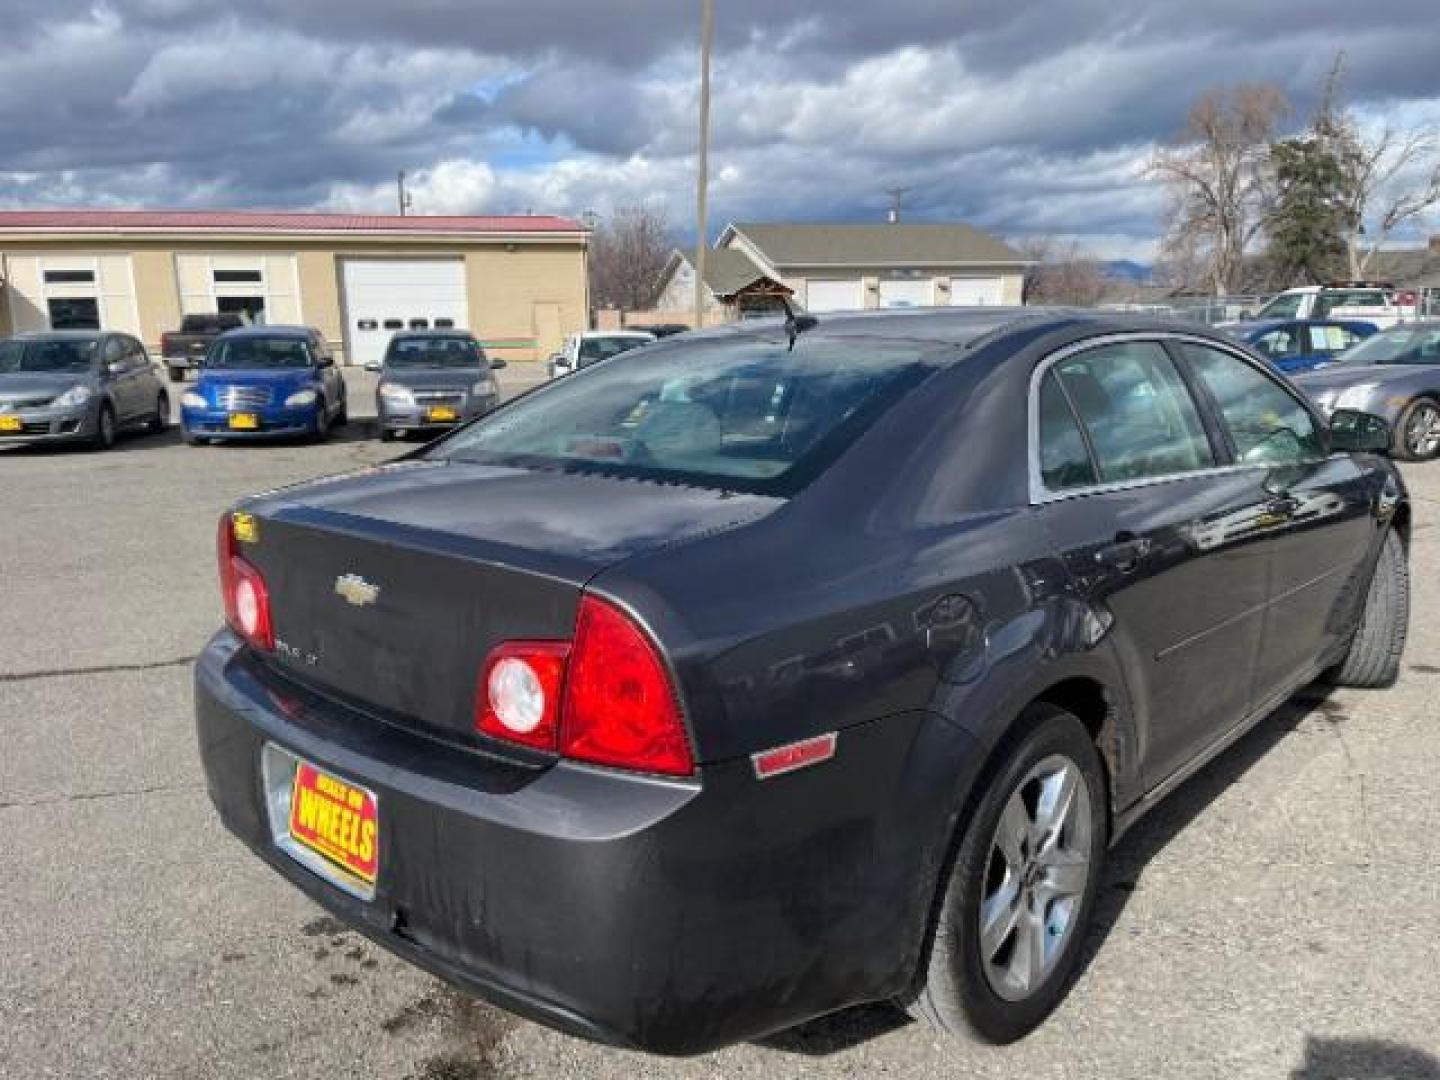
1375, 304
590, 347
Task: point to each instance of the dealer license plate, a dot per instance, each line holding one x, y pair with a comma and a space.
337, 820
443, 415
11, 423
244, 421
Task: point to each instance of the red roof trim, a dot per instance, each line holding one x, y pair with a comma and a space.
277, 221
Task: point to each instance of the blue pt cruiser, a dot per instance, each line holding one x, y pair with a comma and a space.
263, 382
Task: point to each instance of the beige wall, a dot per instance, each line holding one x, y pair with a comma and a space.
526, 302
524, 297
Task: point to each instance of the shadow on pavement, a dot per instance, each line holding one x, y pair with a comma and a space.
1364, 1059
850, 1027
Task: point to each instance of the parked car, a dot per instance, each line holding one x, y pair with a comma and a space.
183, 349
1395, 374
77, 386
767, 673
433, 379
1295, 345
583, 349
265, 381
1372, 302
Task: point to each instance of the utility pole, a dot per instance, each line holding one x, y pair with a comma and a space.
404, 198
707, 40
897, 199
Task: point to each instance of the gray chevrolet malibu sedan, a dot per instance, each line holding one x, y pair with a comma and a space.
77, 386
433, 379
1395, 374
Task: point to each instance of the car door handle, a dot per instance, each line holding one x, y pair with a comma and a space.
1125, 553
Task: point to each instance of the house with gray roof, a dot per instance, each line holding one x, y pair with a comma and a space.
850, 268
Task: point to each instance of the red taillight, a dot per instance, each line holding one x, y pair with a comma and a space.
520, 692
247, 600
606, 699
620, 707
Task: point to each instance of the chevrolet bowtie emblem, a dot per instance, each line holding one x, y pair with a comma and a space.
356, 590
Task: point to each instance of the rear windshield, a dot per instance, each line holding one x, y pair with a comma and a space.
258, 352
68, 355
433, 352
743, 415
209, 324
595, 349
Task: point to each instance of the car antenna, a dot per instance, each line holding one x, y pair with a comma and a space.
795, 325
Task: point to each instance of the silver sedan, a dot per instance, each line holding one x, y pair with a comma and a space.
1395, 374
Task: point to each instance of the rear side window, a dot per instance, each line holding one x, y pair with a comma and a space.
1064, 459
743, 415
1136, 410
1267, 424
1279, 343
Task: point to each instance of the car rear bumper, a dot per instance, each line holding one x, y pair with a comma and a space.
668, 916
274, 423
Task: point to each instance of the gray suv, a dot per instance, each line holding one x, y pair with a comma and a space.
433, 379
77, 386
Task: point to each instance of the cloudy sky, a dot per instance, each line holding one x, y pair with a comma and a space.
1024, 116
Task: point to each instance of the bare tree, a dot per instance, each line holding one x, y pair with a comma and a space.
1219, 178
1062, 273
627, 255
1389, 178
1395, 179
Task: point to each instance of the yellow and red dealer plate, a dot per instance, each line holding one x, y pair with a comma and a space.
443, 415
336, 820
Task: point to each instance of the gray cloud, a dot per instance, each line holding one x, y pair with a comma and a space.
1025, 117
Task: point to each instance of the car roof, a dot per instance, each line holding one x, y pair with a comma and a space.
584, 334
265, 330
61, 335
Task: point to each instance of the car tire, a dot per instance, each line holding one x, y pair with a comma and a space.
322, 422
162, 413
1373, 660
1417, 431
386, 435
982, 985
176, 374
195, 440
105, 430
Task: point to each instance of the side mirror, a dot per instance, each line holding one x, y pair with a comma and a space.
375, 366
325, 361
1353, 431
558, 358
496, 363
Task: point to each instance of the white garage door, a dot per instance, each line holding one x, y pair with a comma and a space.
906, 293
385, 295
976, 291
834, 294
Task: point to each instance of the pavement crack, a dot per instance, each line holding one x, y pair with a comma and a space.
92, 796
102, 669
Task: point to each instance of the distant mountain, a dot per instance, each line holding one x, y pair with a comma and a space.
1128, 270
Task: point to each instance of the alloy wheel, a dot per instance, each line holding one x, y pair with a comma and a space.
1422, 431
1035, 881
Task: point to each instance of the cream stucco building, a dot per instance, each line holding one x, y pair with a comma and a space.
519, 283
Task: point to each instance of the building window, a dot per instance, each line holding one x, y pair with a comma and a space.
237, 277
419, 324
76, 313
394, 324
69, 277
367, 324
444, 324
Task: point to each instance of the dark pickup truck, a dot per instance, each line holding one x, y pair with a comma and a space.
186, 347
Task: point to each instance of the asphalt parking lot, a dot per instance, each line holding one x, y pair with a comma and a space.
1276, 917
